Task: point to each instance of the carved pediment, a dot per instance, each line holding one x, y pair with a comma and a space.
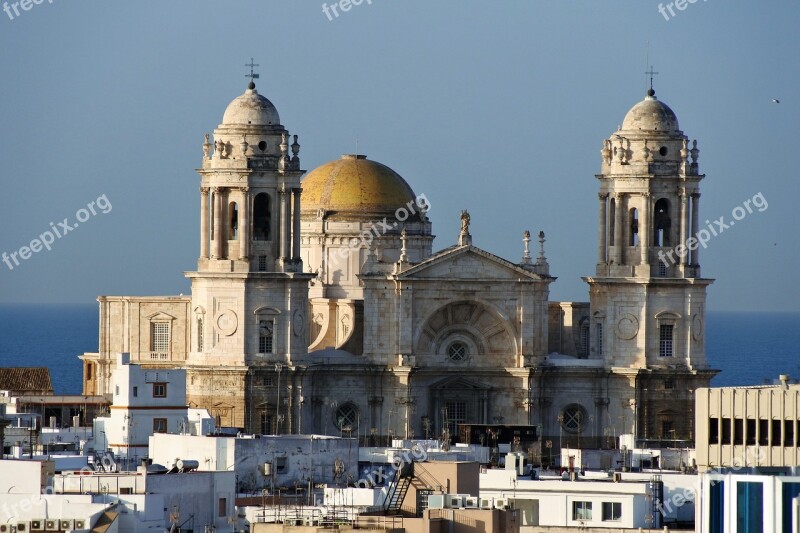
459, 383
160, 317
467, 262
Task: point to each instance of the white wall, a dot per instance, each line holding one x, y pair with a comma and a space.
304, 456
20, 477
35, 506
556, 498
134, 408
353, 497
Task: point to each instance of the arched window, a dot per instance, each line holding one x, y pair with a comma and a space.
233, 226
262, 217
634, 230
661, 223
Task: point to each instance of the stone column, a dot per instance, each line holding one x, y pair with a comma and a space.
644, 229
204, 236
602, 228
219, 231
244, 225
296, 224
684, 223
618, 209
287, 222
696, 226
284, 228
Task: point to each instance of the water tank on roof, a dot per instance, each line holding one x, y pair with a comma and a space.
187, 465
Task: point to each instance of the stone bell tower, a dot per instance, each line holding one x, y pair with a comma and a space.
249, 292
647, 298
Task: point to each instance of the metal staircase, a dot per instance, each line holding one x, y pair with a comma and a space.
398, 489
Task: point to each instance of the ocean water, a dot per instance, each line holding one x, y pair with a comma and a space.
52, 336
753, 348
749, 348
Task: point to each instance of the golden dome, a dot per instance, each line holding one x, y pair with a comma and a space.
356, 186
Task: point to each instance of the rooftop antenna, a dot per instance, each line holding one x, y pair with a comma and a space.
356, 146
253, 75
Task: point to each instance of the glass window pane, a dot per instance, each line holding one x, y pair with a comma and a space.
749, 507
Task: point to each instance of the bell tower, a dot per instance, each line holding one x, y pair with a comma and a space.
647, 298
249, 292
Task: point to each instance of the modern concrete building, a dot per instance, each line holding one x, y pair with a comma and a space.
747, 503
629, 500
748, 427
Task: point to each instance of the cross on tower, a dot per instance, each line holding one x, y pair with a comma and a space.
651, 73
252, 65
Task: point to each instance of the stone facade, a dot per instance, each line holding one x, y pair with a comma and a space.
336, 316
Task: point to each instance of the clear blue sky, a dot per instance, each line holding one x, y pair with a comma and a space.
496, 107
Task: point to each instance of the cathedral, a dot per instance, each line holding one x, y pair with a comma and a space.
319, 305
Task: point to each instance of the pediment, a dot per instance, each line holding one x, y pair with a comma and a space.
459, 383
467, 262
160, 317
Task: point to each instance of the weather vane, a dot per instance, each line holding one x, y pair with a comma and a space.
252, 65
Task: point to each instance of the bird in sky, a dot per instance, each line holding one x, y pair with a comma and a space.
776, 101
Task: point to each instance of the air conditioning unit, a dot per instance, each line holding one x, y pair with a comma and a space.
51, 525
66, 525
23, 527
5, 528
454, 501
501, 503
436, 501
486, 503
37, 524
470, 502
80, 523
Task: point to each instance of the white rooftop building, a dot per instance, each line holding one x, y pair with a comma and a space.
264, 461
33, 498
627, 500
145, 401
